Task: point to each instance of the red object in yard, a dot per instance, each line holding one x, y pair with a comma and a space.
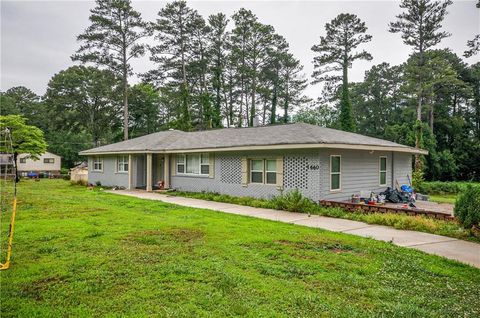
372, 203
161, 185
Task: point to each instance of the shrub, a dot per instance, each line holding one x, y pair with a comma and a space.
293, 201
439, 187
417, 179
467, 207
79, 182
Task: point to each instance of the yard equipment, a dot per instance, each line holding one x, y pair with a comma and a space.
8, 195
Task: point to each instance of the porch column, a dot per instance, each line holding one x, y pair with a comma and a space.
149, 172
166, 170
130, 172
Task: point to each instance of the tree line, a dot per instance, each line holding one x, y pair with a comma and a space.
219, 71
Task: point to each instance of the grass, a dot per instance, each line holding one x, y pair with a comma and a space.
84, 253
443, 198
398, 221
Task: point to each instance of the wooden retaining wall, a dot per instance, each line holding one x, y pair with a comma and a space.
365, 208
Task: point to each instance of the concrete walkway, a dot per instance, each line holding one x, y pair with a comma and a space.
463, 251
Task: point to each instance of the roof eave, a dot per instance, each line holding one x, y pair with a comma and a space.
266, 147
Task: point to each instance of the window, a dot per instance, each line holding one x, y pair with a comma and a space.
97, 164
271, 171
335, 172
122, 164
180, 163
23, 160
256, 171
204, 163
263, 171
383, 171
198, 164
48, 160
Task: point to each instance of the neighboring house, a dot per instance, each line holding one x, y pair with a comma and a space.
261, 161
48, 164
6, 165
79, 172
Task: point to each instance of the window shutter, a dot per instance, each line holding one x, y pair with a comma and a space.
173, 162
280, 173
244, 171
211, 168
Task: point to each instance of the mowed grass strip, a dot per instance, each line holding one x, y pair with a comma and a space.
82, 253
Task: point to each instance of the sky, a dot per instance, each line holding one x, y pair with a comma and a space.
38, 37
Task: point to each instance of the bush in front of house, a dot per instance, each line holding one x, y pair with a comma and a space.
293, 201
467, 208
444, 187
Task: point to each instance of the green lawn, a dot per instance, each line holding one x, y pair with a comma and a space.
86, 253
443, 198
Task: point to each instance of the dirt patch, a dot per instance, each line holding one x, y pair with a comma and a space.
36, 289
160, 237
334, 247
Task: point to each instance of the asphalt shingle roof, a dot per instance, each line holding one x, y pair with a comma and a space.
287, 134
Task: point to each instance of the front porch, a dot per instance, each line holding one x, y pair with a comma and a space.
148, 171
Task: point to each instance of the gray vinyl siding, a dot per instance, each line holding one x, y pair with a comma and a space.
109, 176
232, 185
402, 163
360, 171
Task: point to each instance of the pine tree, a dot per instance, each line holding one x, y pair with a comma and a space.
218, 39
176, 56
336, 52
112, 40
419, 26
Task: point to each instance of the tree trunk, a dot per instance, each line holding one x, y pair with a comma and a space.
252, 107
418, 130
431, 116
287, 100
125, 107
125, 90
15, 157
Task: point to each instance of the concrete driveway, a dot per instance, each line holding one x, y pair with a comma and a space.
463, 251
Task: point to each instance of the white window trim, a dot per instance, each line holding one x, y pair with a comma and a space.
94, 160
49, 163
380, 171
123, 164
339, 173
22, 160
200, 164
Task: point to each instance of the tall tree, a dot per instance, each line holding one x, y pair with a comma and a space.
113, 40
240, 40
84, 99
218, 39
26, 139
336, 52
420, 25
473, 45
378, 99
174, 33
22, 101
144, 114
293, 84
